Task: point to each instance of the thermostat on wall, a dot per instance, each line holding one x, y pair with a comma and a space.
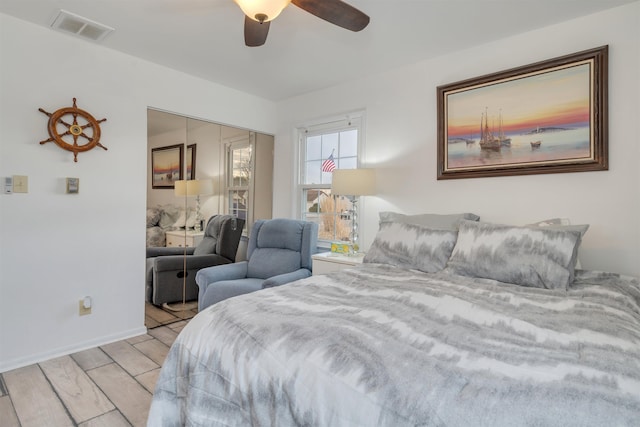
8, 185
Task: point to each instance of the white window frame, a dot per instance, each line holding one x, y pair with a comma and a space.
230, 145
353, 120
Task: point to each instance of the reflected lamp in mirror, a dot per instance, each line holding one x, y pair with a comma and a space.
186, 188
194, 188
353, 183
205, 187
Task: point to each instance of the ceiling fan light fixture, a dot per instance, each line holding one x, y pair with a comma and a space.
262, 10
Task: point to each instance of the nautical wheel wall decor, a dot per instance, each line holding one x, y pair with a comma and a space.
73, 129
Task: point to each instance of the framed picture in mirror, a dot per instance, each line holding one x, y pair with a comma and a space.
166, 166
191, 161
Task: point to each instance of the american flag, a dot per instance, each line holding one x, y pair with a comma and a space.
328, 165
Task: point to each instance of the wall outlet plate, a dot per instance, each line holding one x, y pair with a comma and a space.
81, 310
20, 184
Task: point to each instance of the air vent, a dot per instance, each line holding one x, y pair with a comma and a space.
80, 26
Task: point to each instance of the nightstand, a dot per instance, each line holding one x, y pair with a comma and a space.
327, 262
176, 238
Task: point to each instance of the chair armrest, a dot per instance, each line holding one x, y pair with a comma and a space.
206, 276
281, 279
162, 251
176, 262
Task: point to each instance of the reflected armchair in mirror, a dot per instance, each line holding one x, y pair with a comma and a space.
165, 270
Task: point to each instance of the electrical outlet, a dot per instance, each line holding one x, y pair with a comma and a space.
20, 184
82, 310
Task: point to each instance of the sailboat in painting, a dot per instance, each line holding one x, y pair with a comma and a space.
490, 140
487, 140
501, 137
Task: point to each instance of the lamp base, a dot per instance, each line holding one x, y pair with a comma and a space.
180, 306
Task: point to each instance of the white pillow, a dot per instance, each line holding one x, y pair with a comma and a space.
180, 222
191, 219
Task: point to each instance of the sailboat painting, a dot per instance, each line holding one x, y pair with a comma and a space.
166, 166
542, 118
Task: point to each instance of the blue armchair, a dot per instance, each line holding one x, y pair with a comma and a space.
279, 251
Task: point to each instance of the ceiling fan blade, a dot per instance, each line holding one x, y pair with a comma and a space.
255, 33
335, 11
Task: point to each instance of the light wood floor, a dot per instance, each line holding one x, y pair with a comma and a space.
108, 386
155, 316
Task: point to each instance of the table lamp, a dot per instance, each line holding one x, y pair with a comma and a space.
353, 183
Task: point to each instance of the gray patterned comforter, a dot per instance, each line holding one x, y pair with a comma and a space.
381, 346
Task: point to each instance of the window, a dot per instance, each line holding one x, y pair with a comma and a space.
324, 147
239, 167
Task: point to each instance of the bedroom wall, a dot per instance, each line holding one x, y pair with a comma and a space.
56, 248
401, 141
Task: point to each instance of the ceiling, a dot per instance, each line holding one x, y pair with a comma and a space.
204, 38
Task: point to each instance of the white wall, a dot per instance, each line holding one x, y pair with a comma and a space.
56, 248
401, 141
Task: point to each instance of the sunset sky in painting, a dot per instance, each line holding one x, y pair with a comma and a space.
556, 98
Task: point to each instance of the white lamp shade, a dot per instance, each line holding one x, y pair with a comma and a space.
206, 186
353, 182
185, 188
193, 187
270, 8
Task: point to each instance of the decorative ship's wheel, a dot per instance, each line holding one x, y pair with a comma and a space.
81, 130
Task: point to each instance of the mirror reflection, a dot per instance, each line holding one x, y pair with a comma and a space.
197, 170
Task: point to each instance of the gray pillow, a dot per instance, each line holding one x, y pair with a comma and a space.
562, 224
153, 217
435, 221
411, 246
528, 256
168, 216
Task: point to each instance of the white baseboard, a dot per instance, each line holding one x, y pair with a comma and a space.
63, 351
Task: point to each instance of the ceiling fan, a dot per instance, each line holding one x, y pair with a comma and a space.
260, 13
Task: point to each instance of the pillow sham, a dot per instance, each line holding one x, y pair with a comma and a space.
181, 220
153, 217
168, 216
563, 224
185, 220
435, 221
411, 246
528, 256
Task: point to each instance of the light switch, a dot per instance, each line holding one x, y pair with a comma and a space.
20, 184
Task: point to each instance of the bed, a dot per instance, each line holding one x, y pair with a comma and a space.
415, 343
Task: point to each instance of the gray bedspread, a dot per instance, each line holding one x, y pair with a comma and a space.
381, 346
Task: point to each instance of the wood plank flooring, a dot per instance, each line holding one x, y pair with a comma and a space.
108, 386
156, 316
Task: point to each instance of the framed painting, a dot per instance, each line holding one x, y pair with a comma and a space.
547, 117
191, 161
166, 166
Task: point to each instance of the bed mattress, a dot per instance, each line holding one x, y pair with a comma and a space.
384, 346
